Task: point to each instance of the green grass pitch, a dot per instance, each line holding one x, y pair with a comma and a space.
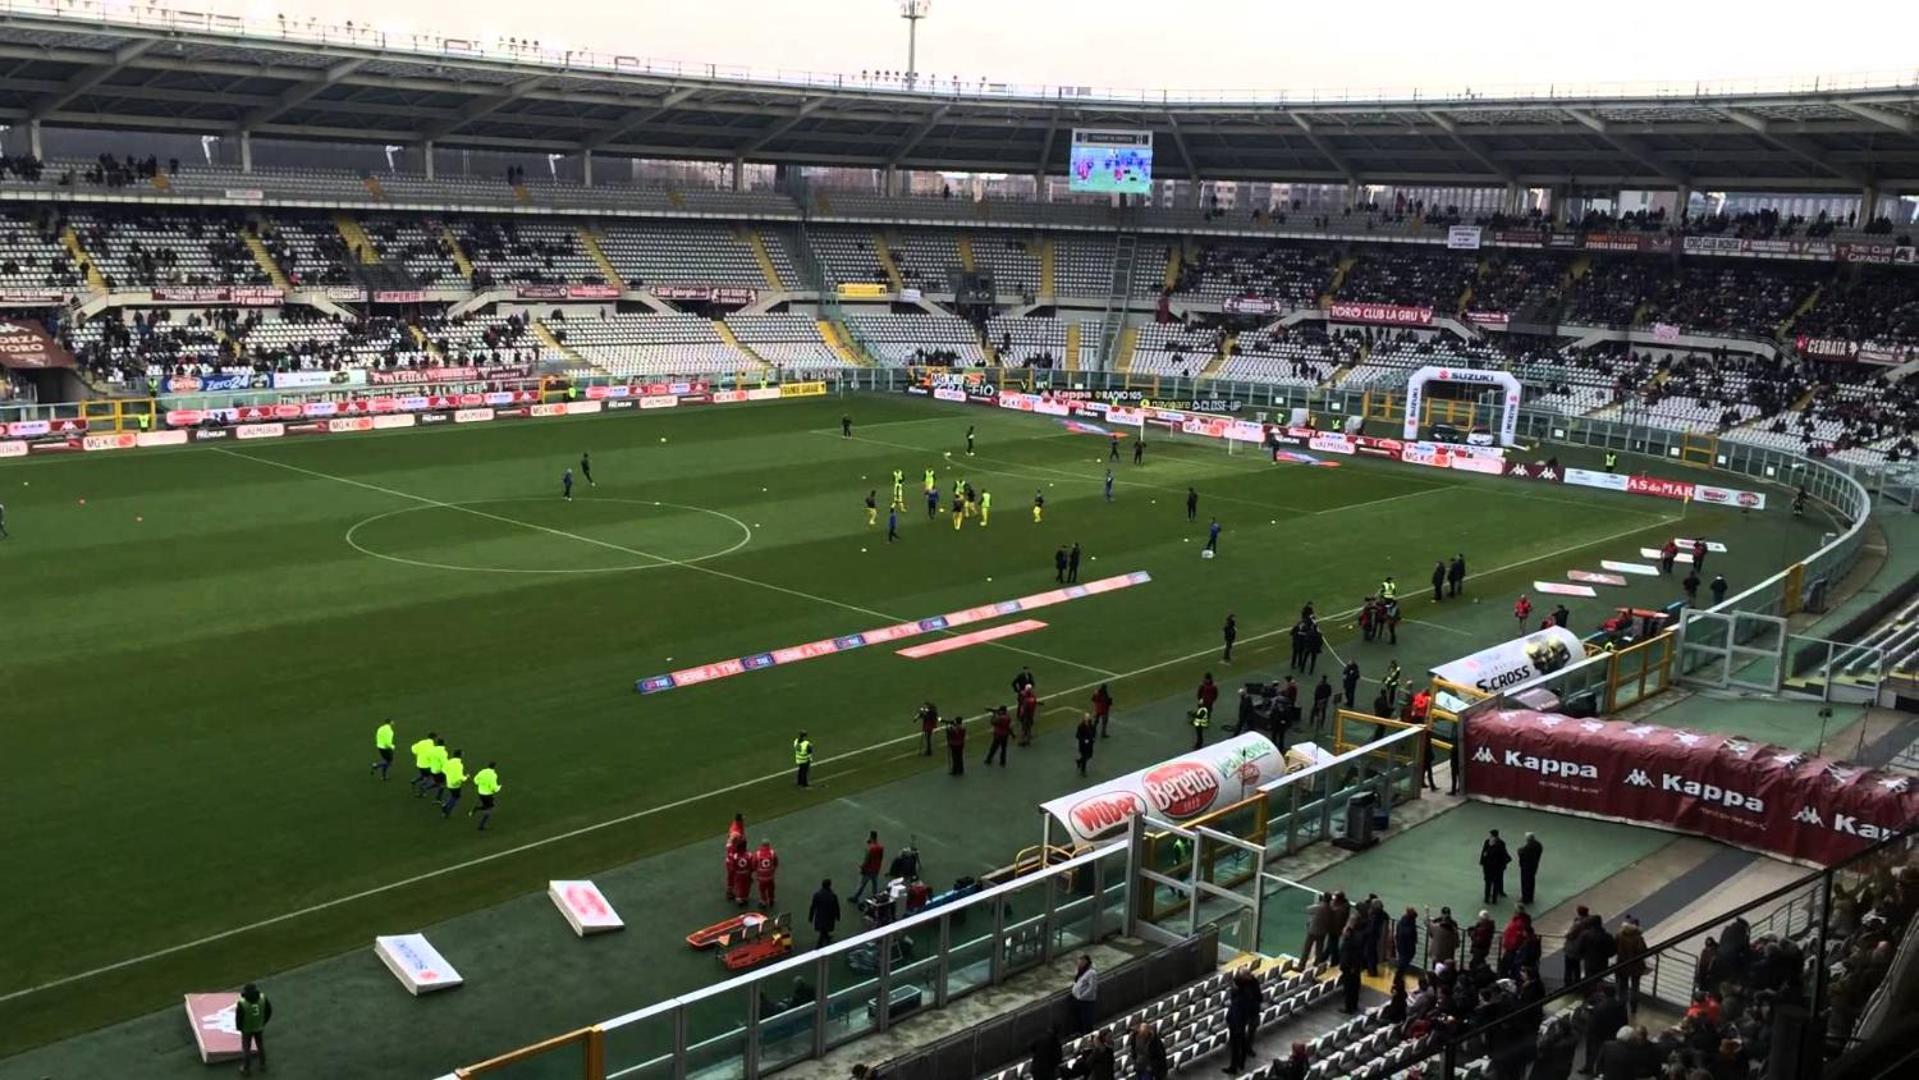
199, 644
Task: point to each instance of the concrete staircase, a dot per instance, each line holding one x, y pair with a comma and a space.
424, 342
1339, 278
251, 238
1072, 345
675, 199
967, 262
884, 254
1811, 301
71, 241
453, 250
590, 242
356, 239
374, 187
837, 339
1219, 360
522, 195
1048, 265
162, 181
727, 335
1128, 344
757, 244
552, 341
1175, 256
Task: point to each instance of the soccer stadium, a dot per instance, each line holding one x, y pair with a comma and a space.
1110, 583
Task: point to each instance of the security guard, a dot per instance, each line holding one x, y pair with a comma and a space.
251, 1011
1202, 718
452, 775
383, 745
1612, 461
423, 761
486, 784
802, 758
1389, 589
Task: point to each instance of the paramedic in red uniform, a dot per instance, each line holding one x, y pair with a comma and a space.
765, 863
739, 873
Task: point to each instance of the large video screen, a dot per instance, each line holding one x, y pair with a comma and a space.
1112, 161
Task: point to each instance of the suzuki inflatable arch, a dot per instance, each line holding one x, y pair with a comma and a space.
1506, 380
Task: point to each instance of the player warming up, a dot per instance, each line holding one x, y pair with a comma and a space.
1039, 507
566, 485
872, 509
383, 746
486, 784
899, 489
985, 508
586, 468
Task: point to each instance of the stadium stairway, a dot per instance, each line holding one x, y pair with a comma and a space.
1073, 336
1175, 255
757, 244
458, 254
425, 343
727, 335
590, 243
522, 194
356, 238
374, 188
250, 236
71, 241
884, 253
552, 341
162, 182
1811, 301
675, 199
1338, 374
837, 339
965, 244
1339, 278
1128, 344
1219, 359
1048, 268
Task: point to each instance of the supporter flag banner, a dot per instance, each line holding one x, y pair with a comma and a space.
1251, 305
216, 1031
1665, 331
1510, 663
1463, 237
313, 380
1391, 314
654, 684
416, 963
1629, 567
567, 292
26, 346
238, 295
584, 907
1589, 577
1176, 790
1556, 588
732, 295
1491, 319
1758, 796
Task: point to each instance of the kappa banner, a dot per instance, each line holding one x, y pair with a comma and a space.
1176, 790
1391, 314
1765, 798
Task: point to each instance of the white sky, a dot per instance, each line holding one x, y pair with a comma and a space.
1203, 44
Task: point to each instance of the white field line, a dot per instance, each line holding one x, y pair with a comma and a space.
623, 819
661, 559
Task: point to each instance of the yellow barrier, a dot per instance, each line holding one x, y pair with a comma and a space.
863, 290
1644, 669
591, 1043
803, 389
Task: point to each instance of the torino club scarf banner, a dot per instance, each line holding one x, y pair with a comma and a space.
1788, 803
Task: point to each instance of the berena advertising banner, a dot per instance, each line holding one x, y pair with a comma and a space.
1176, 790
1510, 663
1758, 796
1391, 314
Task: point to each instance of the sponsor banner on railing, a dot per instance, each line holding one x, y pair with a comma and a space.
1512, 238
1735, 245
123, 440
1723, 496
1589, 478
160, 438
237, 295
566, 292
1876, 253
403, 420
350, 423
1659, 486
259, 431
309, 380
1175, 790
26, 346
1391, 314
1500, 319
1510, 663
13, 448
345, 294
218, 382
1534, 470
732, 295
803, 389
1331, 442
1640, 484
1463, 237
1759, 796
33, 297
1217, 428
624, 390
399, 296
472, 416
1665, 331
662, 401
863, 290
1251, 305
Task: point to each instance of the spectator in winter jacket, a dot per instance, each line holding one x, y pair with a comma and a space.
824, 913
1481, 935
1319, 930
1442, 938
1047, 1055
1243, 1002
1149, 1054
1406, 942
1631, 943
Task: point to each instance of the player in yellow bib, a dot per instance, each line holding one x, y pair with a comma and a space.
985, 507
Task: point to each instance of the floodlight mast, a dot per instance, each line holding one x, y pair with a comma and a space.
913, 11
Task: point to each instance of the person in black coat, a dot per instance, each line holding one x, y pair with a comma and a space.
1529, 852
1098, 1063
1455, 575
1493, 859
824, 914
1047, 1055
1608, 1016
1439, 580
1243, 1002
1406, 941
1352, 964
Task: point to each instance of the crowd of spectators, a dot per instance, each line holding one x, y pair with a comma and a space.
22, 167
1390, 274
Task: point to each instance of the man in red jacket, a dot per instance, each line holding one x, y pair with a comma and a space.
1002, 734
739, 872
1208, 691
1522, 610
956, 744
1028, 715
1103, 710
765, 863
870, 864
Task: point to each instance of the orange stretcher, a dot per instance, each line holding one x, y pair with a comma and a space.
734, 930
769, 939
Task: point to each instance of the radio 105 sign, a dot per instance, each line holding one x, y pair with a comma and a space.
1114, 162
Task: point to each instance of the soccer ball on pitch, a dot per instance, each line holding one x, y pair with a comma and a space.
1205, 553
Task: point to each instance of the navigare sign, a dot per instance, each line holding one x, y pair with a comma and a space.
416, 963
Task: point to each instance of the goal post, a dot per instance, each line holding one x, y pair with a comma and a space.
1506, 381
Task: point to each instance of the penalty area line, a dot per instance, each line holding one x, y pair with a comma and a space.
638, 815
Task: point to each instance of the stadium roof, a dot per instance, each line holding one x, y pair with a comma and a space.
194, 73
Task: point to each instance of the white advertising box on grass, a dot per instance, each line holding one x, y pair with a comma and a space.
1513, 662
216, 1032
1629, 567
416, 963
1177, 790
1654, 553
584, 906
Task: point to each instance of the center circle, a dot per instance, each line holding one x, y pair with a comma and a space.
525, 535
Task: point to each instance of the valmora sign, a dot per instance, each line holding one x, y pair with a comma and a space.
24, 345
1758, 796
1177, 790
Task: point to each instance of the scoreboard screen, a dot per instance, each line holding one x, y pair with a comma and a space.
1112, 161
